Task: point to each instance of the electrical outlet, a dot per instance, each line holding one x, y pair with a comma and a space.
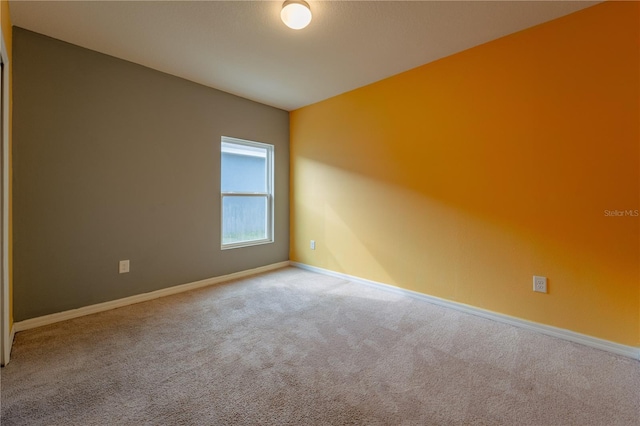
312, 245
123, 267
540, 284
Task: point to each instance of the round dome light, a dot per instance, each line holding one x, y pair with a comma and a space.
296, 14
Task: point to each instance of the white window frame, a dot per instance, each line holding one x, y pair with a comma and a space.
269, 195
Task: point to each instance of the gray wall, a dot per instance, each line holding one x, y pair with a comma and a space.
111, 161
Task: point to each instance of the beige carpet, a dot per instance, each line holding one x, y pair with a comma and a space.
292, 347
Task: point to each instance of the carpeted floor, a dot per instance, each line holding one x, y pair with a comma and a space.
291, 347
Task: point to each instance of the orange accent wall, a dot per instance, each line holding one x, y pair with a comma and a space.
465, 177
5, 25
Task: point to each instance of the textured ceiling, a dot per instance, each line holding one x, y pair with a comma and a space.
243, 48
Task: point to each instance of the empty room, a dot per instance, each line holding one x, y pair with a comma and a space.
320, 212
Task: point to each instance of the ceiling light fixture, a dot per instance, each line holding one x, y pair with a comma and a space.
296, 14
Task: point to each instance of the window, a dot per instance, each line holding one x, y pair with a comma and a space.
246, 192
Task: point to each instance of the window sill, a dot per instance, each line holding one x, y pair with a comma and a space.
245, 244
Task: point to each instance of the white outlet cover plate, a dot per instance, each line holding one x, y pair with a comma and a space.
539, 284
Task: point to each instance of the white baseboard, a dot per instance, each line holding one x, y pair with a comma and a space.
572, 336
100, 307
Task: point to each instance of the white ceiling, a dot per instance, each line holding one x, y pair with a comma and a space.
243, 48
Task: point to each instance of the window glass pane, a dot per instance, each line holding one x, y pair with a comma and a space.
244, 168
243, 219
